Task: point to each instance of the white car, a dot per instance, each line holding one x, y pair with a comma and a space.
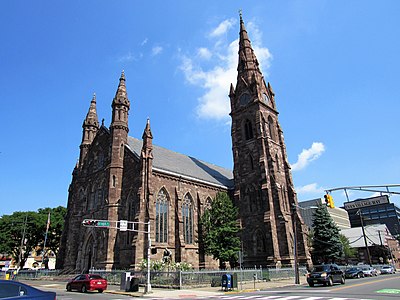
369, 271
388, 270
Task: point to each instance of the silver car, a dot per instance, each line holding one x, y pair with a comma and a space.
388, 270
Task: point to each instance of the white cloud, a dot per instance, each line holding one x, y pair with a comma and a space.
311, 188
223, 27
204, 53
308, 155
156, 50
127, 57
215, 80
144, 42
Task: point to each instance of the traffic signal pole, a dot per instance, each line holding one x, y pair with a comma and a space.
124, 225
147, 289
359, 212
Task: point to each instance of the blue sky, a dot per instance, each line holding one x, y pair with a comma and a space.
334, 67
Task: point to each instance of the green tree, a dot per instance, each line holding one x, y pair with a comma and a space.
326, 241
18, 235
22, 232
219, 230
348, 251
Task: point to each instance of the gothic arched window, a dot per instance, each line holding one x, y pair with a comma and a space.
99, 196
251, 161
187, 216
121, 151
248, 130
100, 160
162, 216
92, 197
277, 163
259, 242
271, 128
83, 199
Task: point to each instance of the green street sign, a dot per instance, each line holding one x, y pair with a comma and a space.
103, 223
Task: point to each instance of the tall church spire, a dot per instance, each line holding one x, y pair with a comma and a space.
90, 126
248, 65
119, 138
264, 190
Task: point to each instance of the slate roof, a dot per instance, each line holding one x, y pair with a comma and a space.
186, 166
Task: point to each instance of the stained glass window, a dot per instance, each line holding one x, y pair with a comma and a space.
187, 215
162, 217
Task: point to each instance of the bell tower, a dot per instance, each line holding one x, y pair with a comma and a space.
119, 137
264, 190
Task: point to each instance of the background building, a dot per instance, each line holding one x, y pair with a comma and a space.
383, 248
374, 210
339, 215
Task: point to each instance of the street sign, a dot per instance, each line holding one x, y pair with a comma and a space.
123, 225
103, 224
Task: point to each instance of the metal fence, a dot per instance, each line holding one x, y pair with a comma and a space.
174, 279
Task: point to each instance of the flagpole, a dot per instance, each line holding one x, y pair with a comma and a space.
45, 238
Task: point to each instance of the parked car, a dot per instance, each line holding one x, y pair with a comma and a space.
87, 282
369, 271
326, 274
388, 270
354, 272
10, 289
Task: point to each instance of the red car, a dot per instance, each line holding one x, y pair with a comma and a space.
87, 282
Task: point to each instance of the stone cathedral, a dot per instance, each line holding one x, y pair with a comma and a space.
119, 177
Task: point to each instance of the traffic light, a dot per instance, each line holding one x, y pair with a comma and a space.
329, 201
89, 222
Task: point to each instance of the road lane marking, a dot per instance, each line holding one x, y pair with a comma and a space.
363, 283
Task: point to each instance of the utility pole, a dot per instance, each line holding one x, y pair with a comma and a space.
359, 212
45, 240
22, 242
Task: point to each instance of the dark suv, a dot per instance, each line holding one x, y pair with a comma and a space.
326, 274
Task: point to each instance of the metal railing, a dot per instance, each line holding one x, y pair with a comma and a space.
173, 279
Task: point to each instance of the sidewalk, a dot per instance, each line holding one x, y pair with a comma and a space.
205, 291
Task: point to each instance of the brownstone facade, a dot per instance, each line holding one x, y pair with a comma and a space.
264, 190
122, 178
